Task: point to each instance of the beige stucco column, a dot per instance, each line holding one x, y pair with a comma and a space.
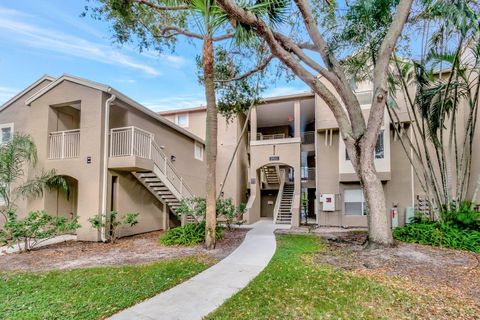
253, 124
296, 114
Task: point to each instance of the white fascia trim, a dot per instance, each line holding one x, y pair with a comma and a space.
288, 97
119, 95
81, 81
275, 141
30, 87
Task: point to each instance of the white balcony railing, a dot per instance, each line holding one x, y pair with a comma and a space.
308, 173
64, 144
308, 137
274, 136
132, 141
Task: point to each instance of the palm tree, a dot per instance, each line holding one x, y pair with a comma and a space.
15, 156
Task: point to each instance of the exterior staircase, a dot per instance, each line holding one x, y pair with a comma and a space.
163, 181
271, 174
159, 189
284, 215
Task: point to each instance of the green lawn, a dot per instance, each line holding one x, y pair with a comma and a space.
295, 286
90, 293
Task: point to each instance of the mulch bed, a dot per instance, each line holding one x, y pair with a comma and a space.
136, 249
453, 273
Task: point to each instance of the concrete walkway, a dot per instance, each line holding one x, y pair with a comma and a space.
205, 292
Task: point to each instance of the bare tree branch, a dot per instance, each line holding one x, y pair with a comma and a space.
178, 31
380, 72
250, 72
161, 8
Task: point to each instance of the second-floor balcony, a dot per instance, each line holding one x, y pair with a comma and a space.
64, 144
134, 149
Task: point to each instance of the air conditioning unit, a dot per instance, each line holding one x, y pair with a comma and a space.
328, 201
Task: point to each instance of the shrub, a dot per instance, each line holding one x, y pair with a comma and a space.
37, 227
462, 215
187, 235
110, 221
196, 208
439, 234
192, 207
231, 214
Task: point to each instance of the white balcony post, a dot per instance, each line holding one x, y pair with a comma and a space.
133, 138
63, 144
110, 143
150, 147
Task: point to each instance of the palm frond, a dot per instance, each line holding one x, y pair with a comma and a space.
46, 180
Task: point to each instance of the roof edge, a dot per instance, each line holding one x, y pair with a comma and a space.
30, 87
118, 94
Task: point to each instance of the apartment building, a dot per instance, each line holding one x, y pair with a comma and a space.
290, 165
116, 153
298, 169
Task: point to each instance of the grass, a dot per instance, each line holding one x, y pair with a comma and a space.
295, 286
91, 293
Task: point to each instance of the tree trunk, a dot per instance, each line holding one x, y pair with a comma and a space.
379, 232
211, 142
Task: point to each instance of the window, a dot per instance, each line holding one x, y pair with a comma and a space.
198, 151
355, 202
379, 148
365, 98
182, 120
6, 132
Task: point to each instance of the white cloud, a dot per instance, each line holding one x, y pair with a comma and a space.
176, 102
283, 91
55, 41
7, 93
172, 60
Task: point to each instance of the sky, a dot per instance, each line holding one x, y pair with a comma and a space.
40, 37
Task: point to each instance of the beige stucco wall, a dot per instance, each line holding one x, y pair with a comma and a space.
228, 135
132, 197
52, 112
175, 144
42, 120
17, 113
288, 151
196, 122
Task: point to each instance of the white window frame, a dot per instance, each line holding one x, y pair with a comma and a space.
380, 134
364, 207
6, 125
363, 92
187, 122
198, 146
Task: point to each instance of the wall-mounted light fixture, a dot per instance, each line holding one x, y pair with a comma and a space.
173, 158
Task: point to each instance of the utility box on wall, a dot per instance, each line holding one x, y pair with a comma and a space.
328, 201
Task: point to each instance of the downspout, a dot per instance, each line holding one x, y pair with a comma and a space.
105, 164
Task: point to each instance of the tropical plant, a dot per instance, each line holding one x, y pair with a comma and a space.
189, 234
113, 224
439, 234
16, 156
441, 91
36, 228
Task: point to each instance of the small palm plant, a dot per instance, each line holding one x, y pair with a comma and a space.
15, 157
